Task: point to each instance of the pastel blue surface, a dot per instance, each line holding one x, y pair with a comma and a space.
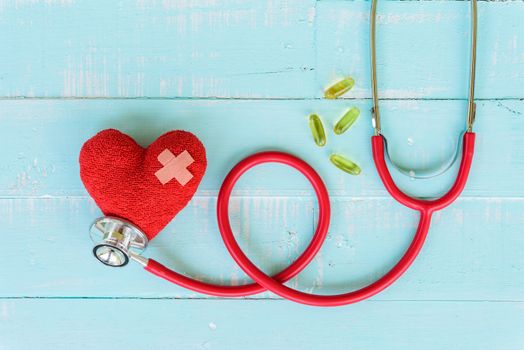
244, 75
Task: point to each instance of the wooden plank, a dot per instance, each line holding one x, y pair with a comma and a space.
246, 49
44, 138
205, 324
422, 48
150, 48
474, 250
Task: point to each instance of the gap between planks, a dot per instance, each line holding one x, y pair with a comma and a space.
216, 98
275, 299
291, 195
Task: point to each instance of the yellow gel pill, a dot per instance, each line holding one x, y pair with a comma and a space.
345, 164
346, 121
339, 88
317, 129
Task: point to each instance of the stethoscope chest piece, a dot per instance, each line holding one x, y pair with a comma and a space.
116, 241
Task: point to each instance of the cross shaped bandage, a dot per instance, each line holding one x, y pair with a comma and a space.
174, 167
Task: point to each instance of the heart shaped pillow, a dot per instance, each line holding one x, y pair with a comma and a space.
146, 186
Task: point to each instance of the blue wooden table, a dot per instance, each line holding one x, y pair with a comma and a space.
244, 75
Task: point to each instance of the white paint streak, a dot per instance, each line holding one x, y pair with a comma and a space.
187, 4
48, 3
234, 280
88, 76
246, 220
416, 18
319, 279
4, 312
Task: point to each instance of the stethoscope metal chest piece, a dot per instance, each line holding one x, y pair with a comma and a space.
117, 240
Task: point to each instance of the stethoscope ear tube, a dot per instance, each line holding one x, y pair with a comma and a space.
375, 110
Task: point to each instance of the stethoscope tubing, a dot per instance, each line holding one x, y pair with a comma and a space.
275, 284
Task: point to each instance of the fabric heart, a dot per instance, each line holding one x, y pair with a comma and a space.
145, 186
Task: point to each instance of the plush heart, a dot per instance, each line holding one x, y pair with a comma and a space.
145, 186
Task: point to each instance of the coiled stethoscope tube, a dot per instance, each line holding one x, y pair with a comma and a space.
130, 241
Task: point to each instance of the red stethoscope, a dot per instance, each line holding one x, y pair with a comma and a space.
126, 239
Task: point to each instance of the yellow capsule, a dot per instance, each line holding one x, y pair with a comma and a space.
346, 121
317, 129
345, 164
339, 88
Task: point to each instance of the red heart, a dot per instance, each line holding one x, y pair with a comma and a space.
121, 176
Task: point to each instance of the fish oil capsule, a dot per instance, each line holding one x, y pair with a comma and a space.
346, 121
317, 129
339, 88
345, 164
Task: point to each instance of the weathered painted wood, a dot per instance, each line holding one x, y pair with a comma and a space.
43, 139
263, 49
157, 48
217, 59
474, 250
423, 47
205, 324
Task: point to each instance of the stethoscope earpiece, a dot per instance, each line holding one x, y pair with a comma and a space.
116, 241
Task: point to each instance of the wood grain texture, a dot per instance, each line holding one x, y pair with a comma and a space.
468, 255
246, 49
206, 324
423, 47
243, 75
158, 48
42, 159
